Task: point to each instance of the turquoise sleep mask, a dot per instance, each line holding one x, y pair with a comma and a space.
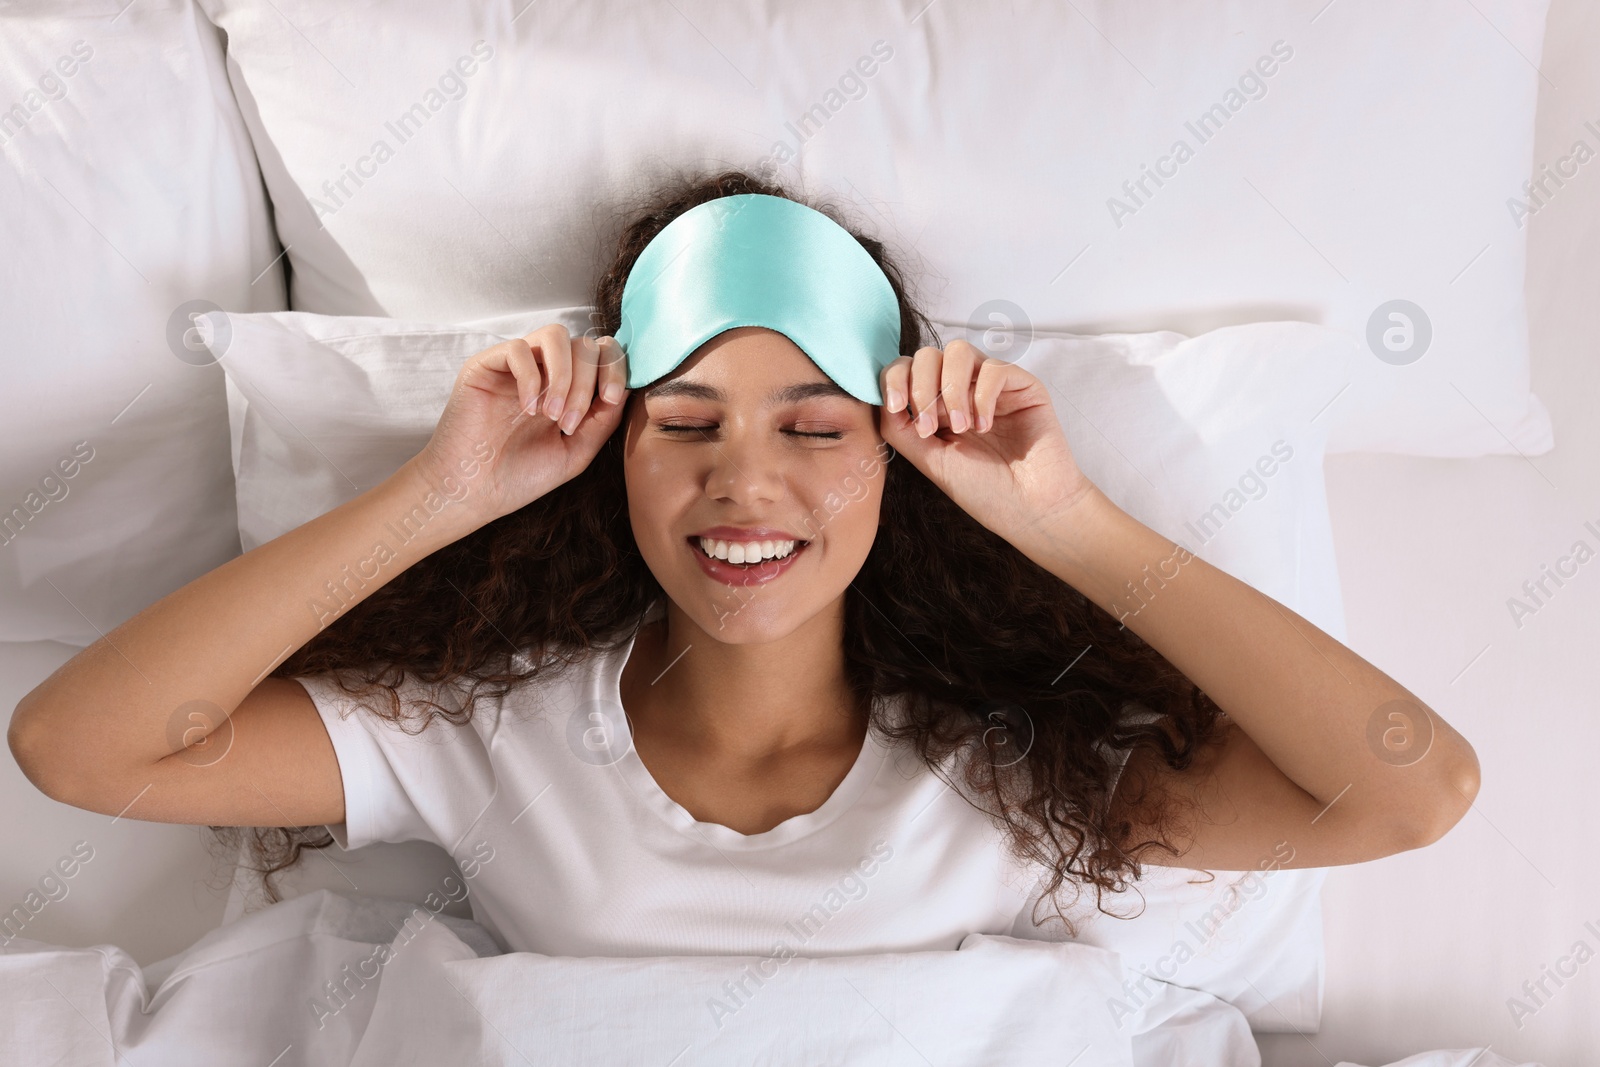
758, 260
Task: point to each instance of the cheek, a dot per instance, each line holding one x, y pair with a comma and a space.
657, 490
850, 503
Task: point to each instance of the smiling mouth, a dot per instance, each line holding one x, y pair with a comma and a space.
699, 545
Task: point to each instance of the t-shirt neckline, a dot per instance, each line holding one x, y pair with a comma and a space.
875, 752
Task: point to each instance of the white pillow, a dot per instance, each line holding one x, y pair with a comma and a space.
325, 407
1213, 441
1362, 152
129, 190
1216, 442
1252, 938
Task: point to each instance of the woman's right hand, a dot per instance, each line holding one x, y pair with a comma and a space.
525, 416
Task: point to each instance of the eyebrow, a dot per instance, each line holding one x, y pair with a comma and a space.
788, 394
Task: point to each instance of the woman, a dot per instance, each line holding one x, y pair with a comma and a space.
910, 715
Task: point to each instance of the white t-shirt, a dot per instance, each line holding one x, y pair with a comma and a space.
572, 849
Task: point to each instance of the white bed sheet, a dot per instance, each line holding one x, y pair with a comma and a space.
336, 979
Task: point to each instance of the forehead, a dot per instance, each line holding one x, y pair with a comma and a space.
748, 359
792, 393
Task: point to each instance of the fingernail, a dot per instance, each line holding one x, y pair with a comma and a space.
897, 400
569, 421
554, 405
984, 422
925, 424
612, 392
958, 421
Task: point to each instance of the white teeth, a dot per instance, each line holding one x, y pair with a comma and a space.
746, 552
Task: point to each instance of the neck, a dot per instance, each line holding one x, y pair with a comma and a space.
750, 700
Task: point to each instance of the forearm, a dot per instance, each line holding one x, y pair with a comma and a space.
1308, 702
215, 638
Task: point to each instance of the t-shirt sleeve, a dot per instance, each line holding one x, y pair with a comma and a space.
375, 761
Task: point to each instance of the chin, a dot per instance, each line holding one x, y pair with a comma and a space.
743, 616
751, 617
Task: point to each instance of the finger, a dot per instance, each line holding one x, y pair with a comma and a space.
986, 393
483, 369
505, 368
601, 421
613, 378
553, 346
955, 381
580, 393
530, 379
896, 416
896, 384
899, 429
925, 388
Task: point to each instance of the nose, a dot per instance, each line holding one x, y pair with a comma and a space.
746, 469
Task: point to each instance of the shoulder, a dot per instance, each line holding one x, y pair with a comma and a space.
429, 705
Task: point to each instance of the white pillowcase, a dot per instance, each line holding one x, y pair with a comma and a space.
129, 188
1252, 938
1362, 152
1173, 429
1213, 441
324, 407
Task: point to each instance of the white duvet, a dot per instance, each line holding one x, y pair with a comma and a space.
329, 978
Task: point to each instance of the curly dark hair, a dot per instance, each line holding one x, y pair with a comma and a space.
975, 635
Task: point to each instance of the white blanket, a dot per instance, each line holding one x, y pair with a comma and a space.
329, 978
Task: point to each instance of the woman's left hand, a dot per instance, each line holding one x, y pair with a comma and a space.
984, 432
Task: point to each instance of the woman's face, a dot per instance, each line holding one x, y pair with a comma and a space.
749, 443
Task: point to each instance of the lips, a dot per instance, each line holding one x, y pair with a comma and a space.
746, 534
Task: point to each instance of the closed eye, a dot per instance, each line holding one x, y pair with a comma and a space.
830, 434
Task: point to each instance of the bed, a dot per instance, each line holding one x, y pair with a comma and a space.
1221, 233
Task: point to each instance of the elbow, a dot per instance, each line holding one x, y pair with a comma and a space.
1454, 796
23, 749
28, 739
